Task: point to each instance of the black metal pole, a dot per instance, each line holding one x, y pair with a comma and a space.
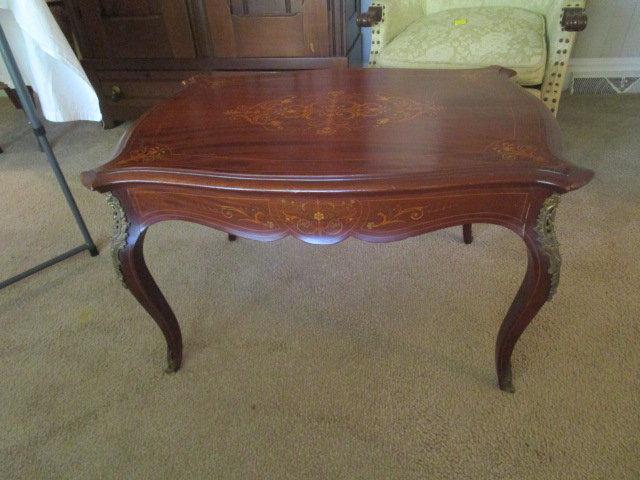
39, 131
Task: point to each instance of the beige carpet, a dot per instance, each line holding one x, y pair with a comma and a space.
352, 361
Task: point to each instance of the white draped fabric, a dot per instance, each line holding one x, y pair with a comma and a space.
47, 62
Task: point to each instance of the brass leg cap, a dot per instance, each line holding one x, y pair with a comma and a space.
173, 364
506, 382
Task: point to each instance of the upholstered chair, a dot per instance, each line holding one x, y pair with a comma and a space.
532, 37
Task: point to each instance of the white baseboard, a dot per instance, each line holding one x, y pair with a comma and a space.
622, 67
605, 67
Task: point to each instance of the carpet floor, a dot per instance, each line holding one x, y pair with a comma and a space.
351, 361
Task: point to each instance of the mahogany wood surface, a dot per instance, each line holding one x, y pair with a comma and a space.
380, 155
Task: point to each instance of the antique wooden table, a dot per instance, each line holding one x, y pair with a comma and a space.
380, 155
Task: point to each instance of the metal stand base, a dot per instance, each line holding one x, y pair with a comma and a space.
48, 263
38, 129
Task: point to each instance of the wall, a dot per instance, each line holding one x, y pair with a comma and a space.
607, 54
613, 30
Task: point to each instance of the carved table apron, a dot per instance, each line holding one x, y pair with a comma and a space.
379, 155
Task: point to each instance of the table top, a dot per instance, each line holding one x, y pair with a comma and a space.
345, 131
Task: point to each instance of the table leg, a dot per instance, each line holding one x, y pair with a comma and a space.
138, 279
467, 233
539, 285
127, 252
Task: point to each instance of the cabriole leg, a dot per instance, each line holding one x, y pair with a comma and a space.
127, 246
539, 285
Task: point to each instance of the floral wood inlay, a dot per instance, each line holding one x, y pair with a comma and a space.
320, 217
398, 215
332, 112
146, 155
402, 215
311, 219
515, 152
250, 214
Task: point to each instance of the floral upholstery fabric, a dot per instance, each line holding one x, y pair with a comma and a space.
399, 14
473, 37
539, 6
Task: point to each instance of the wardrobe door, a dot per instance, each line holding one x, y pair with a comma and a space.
135, 28
269, 28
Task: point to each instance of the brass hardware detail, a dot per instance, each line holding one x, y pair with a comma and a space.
120, 231
573, 20
371, 17
116, 93
547, 239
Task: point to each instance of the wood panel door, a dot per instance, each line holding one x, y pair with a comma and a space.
135, 28
269, 28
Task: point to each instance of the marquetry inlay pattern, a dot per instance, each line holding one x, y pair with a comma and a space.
511, 151
321, 220
146, 155
319, 217
326, 114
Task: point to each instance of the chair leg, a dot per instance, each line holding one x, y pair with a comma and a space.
467, 234
232, 237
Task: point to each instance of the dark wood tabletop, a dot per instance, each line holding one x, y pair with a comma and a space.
340, 129
376, 154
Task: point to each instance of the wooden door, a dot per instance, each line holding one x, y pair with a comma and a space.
269, 28
135, 28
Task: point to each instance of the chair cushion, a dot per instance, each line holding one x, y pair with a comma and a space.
473, 37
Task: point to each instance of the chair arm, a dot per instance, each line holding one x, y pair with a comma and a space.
574, 20
369, 18
396, 16
563, 19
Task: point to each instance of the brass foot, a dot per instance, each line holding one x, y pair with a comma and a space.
173, 363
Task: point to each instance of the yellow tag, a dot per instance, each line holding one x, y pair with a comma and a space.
460, 21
